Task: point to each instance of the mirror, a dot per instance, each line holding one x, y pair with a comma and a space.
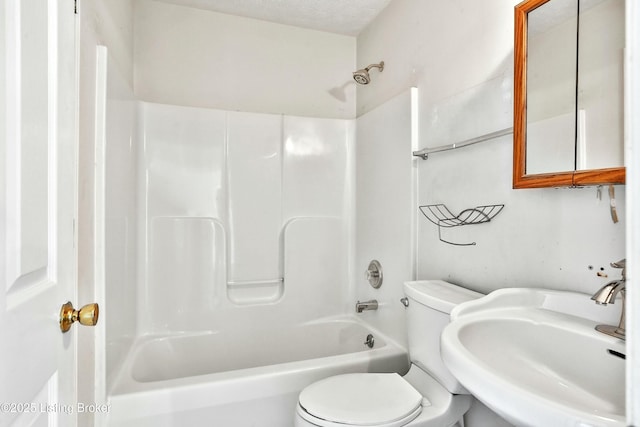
568, 93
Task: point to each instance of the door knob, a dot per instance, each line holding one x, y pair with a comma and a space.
87, 315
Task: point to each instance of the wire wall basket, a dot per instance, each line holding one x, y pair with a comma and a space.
441, 216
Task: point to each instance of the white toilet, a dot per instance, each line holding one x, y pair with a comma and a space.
428, 395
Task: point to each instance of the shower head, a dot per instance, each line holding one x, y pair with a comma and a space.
362, 76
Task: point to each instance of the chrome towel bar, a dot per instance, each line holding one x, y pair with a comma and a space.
424, 153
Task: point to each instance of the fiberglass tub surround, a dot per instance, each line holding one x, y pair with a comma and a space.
241, 213
242, 267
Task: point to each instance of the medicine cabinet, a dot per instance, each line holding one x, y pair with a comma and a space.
568, 93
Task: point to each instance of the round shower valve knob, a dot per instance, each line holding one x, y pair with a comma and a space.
374, 274
371, 274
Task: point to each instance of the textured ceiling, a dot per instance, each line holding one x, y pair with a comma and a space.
347, 17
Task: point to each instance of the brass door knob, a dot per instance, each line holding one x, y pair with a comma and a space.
87, 315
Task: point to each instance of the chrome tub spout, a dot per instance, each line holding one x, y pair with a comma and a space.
366, 305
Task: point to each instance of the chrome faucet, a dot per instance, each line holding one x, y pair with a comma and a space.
366, 305
607, 295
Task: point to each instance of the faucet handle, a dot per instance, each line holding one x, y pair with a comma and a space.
374, 274
620, 264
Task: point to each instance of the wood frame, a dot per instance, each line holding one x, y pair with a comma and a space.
520, 177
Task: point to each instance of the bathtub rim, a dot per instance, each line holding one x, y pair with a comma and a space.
191, 393
124, 376
291, 334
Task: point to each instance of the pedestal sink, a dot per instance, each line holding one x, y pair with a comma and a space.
534, 357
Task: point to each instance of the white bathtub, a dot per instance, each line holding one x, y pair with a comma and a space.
241, 379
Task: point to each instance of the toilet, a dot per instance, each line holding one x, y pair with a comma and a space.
428, 395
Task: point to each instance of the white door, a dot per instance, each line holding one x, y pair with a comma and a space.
37, 205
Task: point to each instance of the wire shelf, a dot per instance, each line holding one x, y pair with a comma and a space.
441, 216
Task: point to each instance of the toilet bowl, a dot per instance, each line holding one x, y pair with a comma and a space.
427, 396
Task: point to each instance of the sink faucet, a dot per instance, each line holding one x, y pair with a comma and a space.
366, 305
607, 295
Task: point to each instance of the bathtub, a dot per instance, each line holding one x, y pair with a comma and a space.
241, 378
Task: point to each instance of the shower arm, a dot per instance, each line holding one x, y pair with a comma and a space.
380, 66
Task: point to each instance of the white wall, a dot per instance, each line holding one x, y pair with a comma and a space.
459, 54
384, 224
544, 237
445, 46
199, 58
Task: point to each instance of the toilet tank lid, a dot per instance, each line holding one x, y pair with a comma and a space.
438, 294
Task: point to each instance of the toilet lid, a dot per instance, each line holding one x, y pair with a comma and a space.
361, 399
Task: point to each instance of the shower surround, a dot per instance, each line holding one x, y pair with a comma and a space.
243, 226
241, 209
243, 285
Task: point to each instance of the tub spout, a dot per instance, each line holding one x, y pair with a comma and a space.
366, 305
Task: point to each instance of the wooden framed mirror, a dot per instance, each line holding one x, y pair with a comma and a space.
568, 93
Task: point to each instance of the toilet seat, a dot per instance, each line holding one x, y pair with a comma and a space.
364, 399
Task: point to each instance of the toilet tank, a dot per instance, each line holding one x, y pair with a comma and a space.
430, 303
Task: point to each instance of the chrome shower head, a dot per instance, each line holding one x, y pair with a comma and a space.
362, 76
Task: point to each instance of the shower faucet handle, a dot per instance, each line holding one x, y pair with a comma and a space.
373, 275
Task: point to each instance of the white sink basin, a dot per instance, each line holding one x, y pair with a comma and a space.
534, 357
